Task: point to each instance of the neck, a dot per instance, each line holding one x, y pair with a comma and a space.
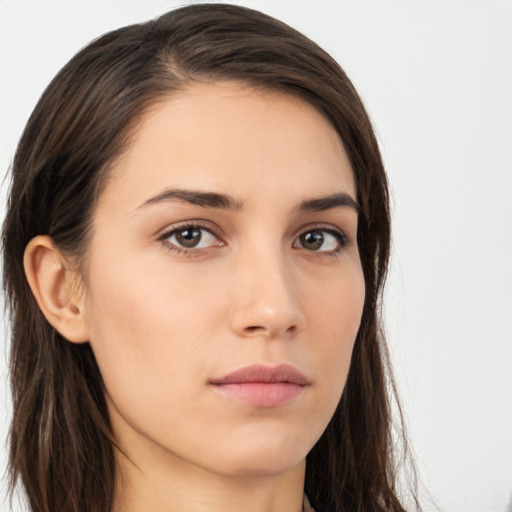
181, 487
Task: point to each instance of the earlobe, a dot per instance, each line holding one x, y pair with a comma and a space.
55, 289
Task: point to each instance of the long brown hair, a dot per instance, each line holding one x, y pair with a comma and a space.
61, 442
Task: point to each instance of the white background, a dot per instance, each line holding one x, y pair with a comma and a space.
436, 77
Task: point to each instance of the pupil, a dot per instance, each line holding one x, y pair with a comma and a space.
189, 237
312, 240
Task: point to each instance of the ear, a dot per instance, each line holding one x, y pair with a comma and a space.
56, 289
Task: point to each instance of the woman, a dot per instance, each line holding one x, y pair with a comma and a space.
195, 245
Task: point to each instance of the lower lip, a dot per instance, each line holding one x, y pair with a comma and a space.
261, 394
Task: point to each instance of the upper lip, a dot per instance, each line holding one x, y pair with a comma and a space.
264, 374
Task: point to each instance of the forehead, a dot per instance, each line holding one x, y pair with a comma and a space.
232, 138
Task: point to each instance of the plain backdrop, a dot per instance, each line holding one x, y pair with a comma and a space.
436, 77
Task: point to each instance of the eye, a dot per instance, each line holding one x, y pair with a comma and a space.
190, 237
321, 240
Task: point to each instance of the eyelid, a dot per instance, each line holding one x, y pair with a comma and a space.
322, 226
169, 231
333, 230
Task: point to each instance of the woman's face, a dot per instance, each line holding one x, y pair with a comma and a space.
224, 285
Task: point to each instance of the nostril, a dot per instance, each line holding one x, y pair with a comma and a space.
254, 328
257, 329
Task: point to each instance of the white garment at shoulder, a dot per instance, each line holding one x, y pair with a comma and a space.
306, 506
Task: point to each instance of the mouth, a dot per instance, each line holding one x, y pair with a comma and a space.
262, 386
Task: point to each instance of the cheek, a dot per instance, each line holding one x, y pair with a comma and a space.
144, 328
334, 318
335, 308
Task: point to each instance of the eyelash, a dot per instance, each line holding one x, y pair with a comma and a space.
342, 239
164, 239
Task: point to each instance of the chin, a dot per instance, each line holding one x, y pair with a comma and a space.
263, 457
261, 466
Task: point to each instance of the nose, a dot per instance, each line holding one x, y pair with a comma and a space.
266, 301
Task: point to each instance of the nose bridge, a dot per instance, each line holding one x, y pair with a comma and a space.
267, 302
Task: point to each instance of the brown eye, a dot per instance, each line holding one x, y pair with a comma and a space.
312, 240
320, 240
191, 237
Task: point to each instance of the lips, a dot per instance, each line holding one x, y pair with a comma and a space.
262, 386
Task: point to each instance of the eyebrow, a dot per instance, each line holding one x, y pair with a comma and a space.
196, 197
226, 202
318, 204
